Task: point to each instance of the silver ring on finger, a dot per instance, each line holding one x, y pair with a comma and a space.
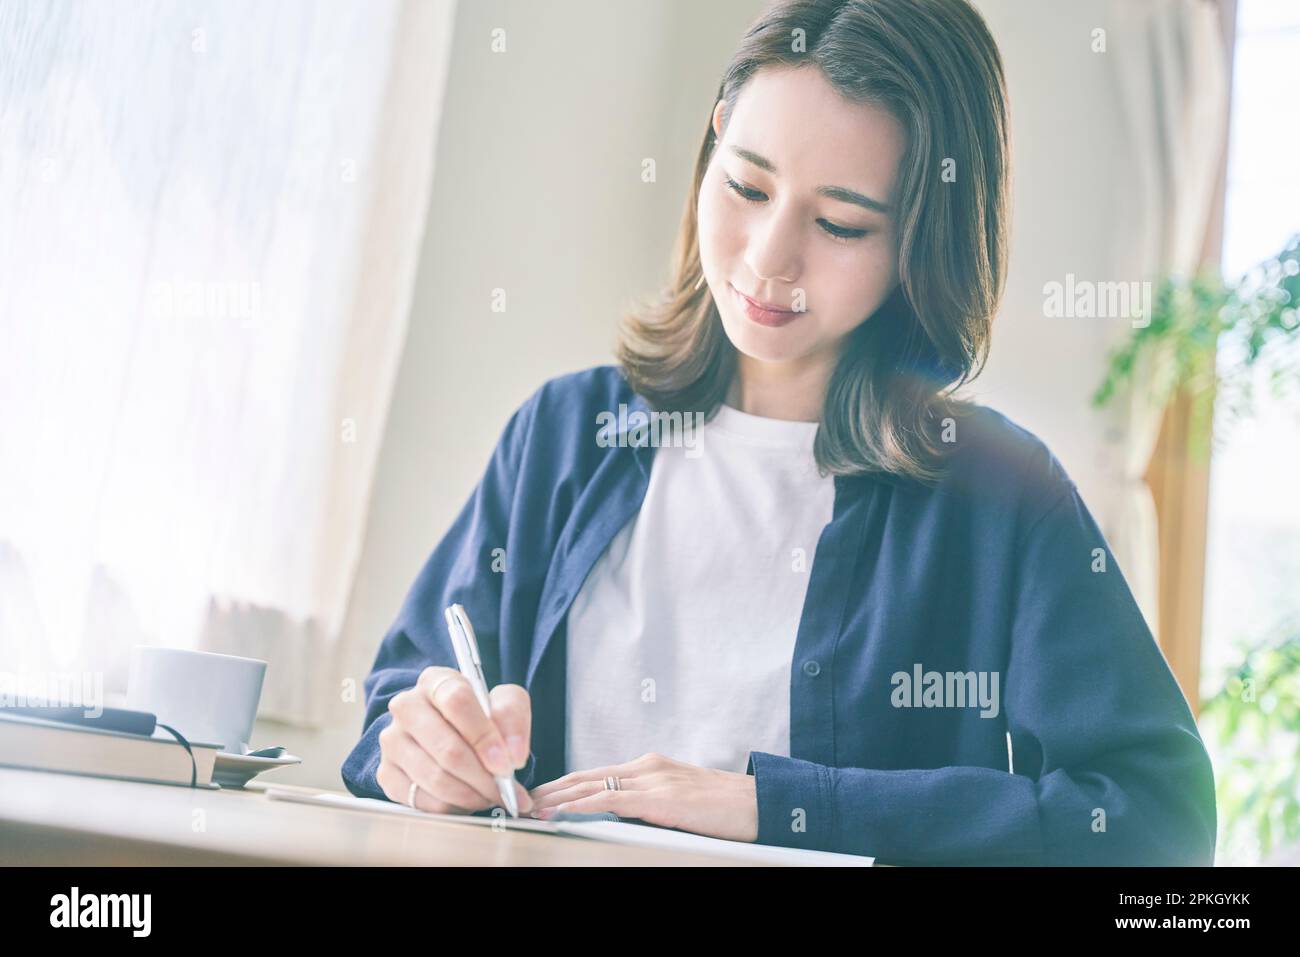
613, 784
410, 795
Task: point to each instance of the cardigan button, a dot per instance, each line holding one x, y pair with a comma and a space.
812, 669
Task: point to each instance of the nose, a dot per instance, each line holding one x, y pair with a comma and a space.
772, 253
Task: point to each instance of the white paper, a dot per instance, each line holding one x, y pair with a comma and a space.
616, 832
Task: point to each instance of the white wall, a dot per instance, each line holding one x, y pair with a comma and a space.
538, 191
1076, 210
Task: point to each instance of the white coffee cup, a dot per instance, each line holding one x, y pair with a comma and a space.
208, 698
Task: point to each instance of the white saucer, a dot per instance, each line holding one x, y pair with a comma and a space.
236, 770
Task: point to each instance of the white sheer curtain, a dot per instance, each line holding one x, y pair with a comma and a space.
209, 221
1173, 93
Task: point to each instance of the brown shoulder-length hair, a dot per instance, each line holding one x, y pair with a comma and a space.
935, 67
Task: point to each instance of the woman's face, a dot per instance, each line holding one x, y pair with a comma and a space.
803, 223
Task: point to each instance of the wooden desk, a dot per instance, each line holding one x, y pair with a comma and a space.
65, 819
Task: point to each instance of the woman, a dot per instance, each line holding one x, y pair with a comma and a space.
849, 611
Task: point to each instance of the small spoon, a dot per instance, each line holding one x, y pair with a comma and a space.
271, 752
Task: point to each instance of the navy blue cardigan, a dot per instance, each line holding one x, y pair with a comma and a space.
998, 570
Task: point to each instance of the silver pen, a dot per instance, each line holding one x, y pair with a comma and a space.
465, 645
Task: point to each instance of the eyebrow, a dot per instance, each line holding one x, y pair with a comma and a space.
832, 192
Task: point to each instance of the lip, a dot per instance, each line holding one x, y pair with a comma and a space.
764, 314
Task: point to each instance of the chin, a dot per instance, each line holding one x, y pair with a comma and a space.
763, 344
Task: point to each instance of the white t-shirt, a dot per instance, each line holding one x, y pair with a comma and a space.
681, 638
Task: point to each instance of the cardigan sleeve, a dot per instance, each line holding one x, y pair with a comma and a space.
1118, 776
460, 569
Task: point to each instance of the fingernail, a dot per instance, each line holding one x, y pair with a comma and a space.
518, 748
498, 763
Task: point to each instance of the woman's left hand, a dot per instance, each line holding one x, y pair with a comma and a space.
659, 790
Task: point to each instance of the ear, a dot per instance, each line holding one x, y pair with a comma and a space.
717, 118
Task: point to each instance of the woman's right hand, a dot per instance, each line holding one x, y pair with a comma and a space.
441, 740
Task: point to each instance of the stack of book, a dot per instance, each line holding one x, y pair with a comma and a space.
113, 744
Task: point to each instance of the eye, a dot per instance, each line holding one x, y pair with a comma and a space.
841, 233
752, 195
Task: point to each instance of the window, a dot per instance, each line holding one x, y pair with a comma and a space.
1253, 538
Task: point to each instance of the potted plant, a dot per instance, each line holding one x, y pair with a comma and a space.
1217, 343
